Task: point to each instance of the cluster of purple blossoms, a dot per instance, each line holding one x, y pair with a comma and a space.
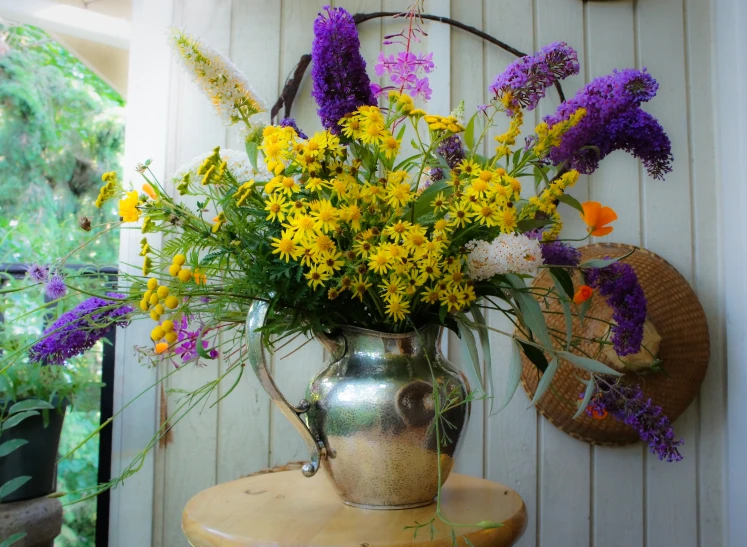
77, 330
54, 283
450, 149
37, 273
186, 344
613, 121
557, 253
290, 122
340, 82
618, 283
524, 82
627, 404
403, 70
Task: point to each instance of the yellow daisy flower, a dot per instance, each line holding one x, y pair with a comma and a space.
276, 207
397, 308
359, 287
285, 247
316, 276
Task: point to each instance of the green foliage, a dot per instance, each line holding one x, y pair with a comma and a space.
61, 127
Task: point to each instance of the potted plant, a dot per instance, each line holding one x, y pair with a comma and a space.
344, 236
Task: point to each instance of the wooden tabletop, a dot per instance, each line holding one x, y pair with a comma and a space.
287, 509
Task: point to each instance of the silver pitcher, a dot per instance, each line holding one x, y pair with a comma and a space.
368, 417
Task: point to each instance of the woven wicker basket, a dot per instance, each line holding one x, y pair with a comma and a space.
676, 314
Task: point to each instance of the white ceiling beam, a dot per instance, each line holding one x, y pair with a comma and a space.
78, 22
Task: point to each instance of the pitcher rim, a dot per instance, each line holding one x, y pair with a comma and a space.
390, 335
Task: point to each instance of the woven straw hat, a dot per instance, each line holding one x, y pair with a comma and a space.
674, 312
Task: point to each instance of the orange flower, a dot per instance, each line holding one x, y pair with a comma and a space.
597, 217
161, 347
582, 294
599, 414
148, 189
200, 278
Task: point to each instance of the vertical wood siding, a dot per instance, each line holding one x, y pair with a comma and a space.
577, 495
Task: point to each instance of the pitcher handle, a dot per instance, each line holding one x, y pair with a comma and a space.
255, 319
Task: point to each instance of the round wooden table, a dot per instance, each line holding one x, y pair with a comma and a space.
287, 509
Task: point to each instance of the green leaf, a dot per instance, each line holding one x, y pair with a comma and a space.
592, 365
252, 151
482, 332
488, 524
564, 302
547, 377
9, 446
201, 351
573, 202
531, 312
18, 418
469, 132
12, 485
603, 263
590, 385
583, 309
531, 224
535, 355
442, 311
13, 539
563, 278
514, 375
468, 339
29, 404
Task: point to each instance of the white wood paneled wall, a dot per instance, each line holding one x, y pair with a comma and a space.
577, 495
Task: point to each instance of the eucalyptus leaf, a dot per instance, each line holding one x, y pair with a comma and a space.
604, 262
531, 224
562, 277
547, 377
252, 151
535, 355
592, 365
590, 385
13, 539
514, 375
573, 202
18, 418
9, 446
482, 332
468, 339
12, 485
583, 309
531, 311
564, 302
201, 351
29, 404
469, 132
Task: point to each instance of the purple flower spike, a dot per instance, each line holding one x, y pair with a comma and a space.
557, 253
290, 122
56, 287
626, 404
527, 78
340, 82
613, 121
76, 331
619, 284
38, 273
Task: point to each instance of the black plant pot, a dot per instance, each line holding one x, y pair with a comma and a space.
37, 458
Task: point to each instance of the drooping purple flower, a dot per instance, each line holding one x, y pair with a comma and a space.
340, 82
186, 344
77, 330
627, 404
290, 122
638, 133
524, 82
37, 273
612, 121
557, 253
450, 149
55, 287
618, 283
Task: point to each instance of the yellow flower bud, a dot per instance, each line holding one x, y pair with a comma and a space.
144, 305
152, 283
185, 276
155, 316
167, 326
161, 347
147, 295
156, 334
179, 259
174, 269
159, 309
153, 299
171, 337
163, 291
171, 302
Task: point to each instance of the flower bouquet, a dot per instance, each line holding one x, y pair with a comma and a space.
374, 234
